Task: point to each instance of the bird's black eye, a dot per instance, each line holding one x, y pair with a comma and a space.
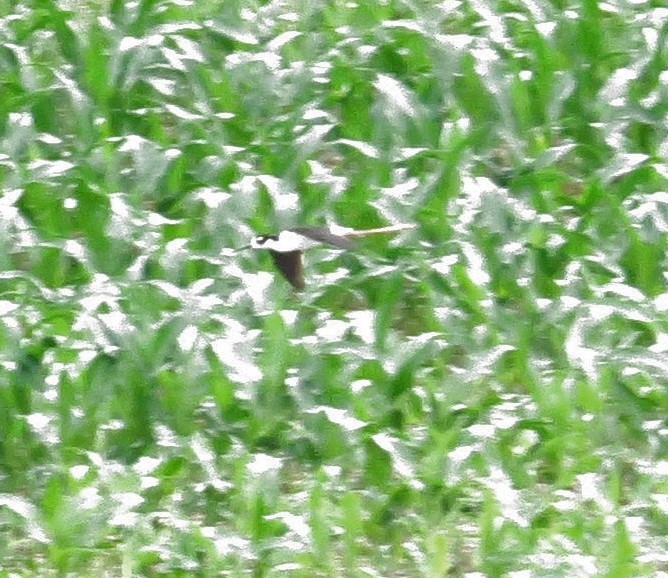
262, 239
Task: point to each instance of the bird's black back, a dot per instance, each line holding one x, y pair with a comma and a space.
324, 236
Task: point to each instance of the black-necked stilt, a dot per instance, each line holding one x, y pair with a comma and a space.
286, 247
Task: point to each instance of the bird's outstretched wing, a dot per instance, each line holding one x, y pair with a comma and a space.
290, 266
324, 236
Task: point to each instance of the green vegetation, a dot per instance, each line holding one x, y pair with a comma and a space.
483, 396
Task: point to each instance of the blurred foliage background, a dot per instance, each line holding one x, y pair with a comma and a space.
482, 396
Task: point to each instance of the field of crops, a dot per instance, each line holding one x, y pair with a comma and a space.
484, 395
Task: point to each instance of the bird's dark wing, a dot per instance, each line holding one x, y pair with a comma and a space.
324, 236
290, 266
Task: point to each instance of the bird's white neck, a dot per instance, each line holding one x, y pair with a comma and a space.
285, 242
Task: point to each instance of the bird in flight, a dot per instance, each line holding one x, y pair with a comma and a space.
287, 246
